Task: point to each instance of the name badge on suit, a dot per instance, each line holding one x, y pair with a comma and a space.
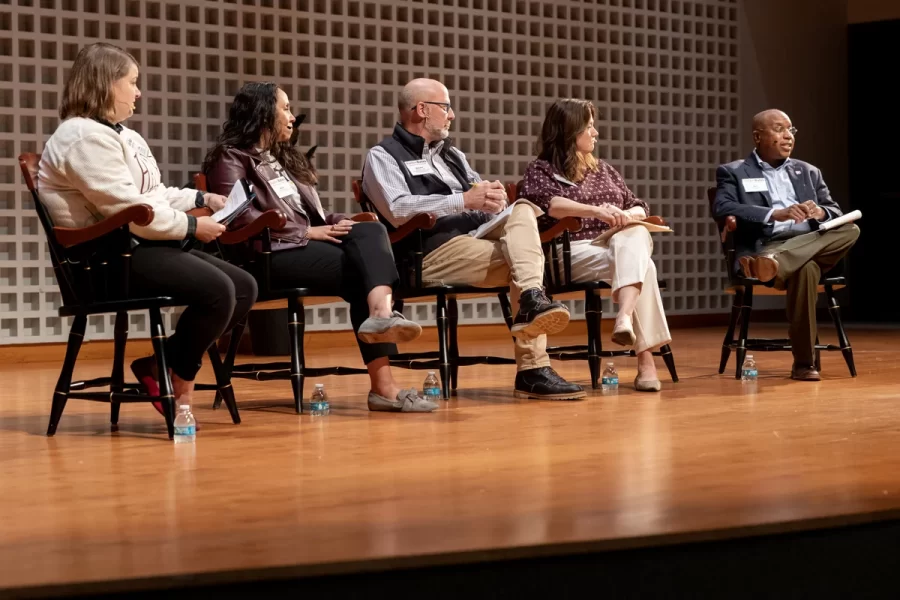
755, 184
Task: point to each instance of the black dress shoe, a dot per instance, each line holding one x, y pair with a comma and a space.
538, 315
544, 383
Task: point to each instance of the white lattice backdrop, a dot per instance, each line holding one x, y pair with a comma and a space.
663, 74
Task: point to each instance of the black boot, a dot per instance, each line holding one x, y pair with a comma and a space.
544, 383
538, 315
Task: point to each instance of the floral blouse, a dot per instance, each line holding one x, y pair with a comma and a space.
542, 182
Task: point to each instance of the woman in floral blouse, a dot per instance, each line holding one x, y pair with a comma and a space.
567, 181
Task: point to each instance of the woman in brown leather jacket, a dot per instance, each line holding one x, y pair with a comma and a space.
317, 250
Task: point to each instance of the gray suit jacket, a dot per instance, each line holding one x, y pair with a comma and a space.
751, 208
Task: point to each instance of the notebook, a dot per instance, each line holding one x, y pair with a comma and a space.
240, 197
652, 223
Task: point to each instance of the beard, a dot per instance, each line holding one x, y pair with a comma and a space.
438, 133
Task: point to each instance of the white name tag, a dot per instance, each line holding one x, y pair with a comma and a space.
755, 185
562, 179
419, 167
283, 187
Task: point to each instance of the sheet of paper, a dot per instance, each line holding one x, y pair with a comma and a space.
603, 238
501, 217
842, 220
236, 202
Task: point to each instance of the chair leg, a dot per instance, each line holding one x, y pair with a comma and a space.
592, 310
506, 309
118, 372
736, 303
669, 359
297, 328
746, 307
223, 383
453, 320
228, 364
817, 360
834, 309
444, 364
166, 393
61, 393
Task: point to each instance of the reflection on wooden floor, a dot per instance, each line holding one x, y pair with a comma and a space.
485, 472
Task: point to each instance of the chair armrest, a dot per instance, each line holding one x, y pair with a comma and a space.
139, 214
730, 226
203, 211
420, 221
365, 217
571, 224
271, 219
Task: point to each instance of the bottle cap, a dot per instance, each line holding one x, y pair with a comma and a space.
610, 364
184, 407
431, 372
320, 385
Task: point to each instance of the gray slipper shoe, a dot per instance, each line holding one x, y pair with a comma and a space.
407, 401
395, 329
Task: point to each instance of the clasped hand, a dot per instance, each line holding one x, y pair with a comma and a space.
613, 215
331, 233
799, 212
486, 196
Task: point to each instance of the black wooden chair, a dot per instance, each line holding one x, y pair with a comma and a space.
408, 252
251, 249
742, 289
557, 244
92, 268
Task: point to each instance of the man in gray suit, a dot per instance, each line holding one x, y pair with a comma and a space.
779, 203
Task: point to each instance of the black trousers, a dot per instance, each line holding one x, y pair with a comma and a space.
217, 295
362, 261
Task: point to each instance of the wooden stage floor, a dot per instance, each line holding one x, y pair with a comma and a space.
485, 475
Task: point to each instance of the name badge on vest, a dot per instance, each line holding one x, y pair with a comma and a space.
282, 187
562, 179
757, 184
419, 167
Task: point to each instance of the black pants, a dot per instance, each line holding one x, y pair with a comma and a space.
362, 261
217, 295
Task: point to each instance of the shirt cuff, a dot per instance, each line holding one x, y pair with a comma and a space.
192, 227
457, 204
768, 215
201, 201
828, 215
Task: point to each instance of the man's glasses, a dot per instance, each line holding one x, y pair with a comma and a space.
445, 106
779, 129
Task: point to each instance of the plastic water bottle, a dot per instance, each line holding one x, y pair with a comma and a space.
318, 404
610, 379
432, 387
185, 425
749, 373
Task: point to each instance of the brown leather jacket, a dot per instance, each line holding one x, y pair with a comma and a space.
234, 164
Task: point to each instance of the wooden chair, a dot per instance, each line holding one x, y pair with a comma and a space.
92, 269
557, 243
742, 289
237, 248
408, 251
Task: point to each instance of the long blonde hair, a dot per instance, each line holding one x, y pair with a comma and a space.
88, 90
564, 122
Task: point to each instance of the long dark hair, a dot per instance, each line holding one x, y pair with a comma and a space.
565, 120
253, 112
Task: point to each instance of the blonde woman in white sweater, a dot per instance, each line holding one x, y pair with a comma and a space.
92, 167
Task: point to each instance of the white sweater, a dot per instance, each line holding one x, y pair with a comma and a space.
89, 172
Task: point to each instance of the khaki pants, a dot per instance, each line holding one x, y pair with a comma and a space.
626, 260
510, 255
801, 262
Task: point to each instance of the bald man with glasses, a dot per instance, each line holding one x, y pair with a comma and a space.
417, 170
779, 203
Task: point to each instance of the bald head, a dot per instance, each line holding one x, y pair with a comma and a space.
419, 90
773, 134
764, 119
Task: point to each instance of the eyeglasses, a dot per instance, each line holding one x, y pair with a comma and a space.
779, 129
445, 106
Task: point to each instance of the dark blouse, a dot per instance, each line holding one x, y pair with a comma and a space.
604, 186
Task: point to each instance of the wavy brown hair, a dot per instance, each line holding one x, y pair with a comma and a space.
252, 112
88, 89
564, 122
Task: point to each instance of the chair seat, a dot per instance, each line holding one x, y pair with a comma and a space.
457, 291
112, 306
766, 289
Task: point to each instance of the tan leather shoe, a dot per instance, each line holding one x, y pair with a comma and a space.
623, 332
647, 385
764, 267
805, 373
